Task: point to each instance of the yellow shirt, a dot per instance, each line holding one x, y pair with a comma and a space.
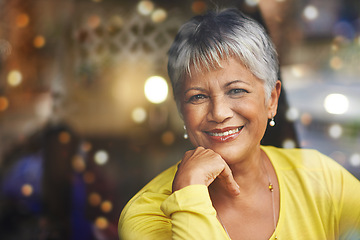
319, 200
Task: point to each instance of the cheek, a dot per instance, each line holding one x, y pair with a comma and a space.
193, 116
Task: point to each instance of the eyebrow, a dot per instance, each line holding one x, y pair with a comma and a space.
195, 88
226, 85
236, 81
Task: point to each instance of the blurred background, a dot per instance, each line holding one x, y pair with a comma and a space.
87, 114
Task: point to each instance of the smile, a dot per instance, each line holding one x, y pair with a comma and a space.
223, 136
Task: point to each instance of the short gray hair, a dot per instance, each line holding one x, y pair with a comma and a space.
204, 41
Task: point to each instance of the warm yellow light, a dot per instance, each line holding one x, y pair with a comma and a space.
159, 15
336, 103
4, 103
27, 190
89, 177
94, 199
156, 89
106, 206
78, 163
39, 41
64, 137
101, 157
168, 138
138, 115
336, 63
22, 20
198, 7
101, 222
94, 21
145, 7
14, 78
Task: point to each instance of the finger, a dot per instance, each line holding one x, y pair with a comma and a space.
227, 177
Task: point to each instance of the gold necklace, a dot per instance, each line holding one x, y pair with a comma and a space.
271, 189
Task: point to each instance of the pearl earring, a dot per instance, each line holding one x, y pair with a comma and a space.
272, 122
185, 133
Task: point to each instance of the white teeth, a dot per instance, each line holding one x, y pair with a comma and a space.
225, 133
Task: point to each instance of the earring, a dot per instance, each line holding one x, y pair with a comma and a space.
272, 122
185, 133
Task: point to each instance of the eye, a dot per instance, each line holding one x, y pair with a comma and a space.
198, 98
237, 91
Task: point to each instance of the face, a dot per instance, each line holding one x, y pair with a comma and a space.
226, 110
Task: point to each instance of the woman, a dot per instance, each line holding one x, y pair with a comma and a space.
223, 68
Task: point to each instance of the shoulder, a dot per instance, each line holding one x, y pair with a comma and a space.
296, 158
144, 209
161, 185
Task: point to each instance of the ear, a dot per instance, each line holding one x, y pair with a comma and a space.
274, 99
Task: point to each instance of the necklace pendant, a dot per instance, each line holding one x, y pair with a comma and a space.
271, 187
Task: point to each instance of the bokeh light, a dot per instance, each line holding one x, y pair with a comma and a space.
336, 103
78, 163
336, 63
94, 21
89, 177
139, 115
335, 131
101, 223
14, 78
198, 7
306, 119
64, 137
101, 157
145, 7
27, 190
106, 206
156, 89
4, 103
159, 15
288, 143
22, 20
252, 3
86, 146
168, 138
355, 160
292, 114
39, 41
94, 199
310, 12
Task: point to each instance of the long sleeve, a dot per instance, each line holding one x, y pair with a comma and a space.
155, 213
192, 214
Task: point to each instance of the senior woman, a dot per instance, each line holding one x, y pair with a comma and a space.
223, 68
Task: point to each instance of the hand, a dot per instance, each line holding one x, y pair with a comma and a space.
203, 166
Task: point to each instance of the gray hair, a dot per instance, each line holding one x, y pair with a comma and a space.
204, 41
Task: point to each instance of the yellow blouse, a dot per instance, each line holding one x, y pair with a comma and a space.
319, 199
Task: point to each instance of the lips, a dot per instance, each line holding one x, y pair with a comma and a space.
224, 135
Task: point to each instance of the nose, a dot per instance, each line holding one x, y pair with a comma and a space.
219, 110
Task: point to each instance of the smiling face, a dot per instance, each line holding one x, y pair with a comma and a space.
226, 110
